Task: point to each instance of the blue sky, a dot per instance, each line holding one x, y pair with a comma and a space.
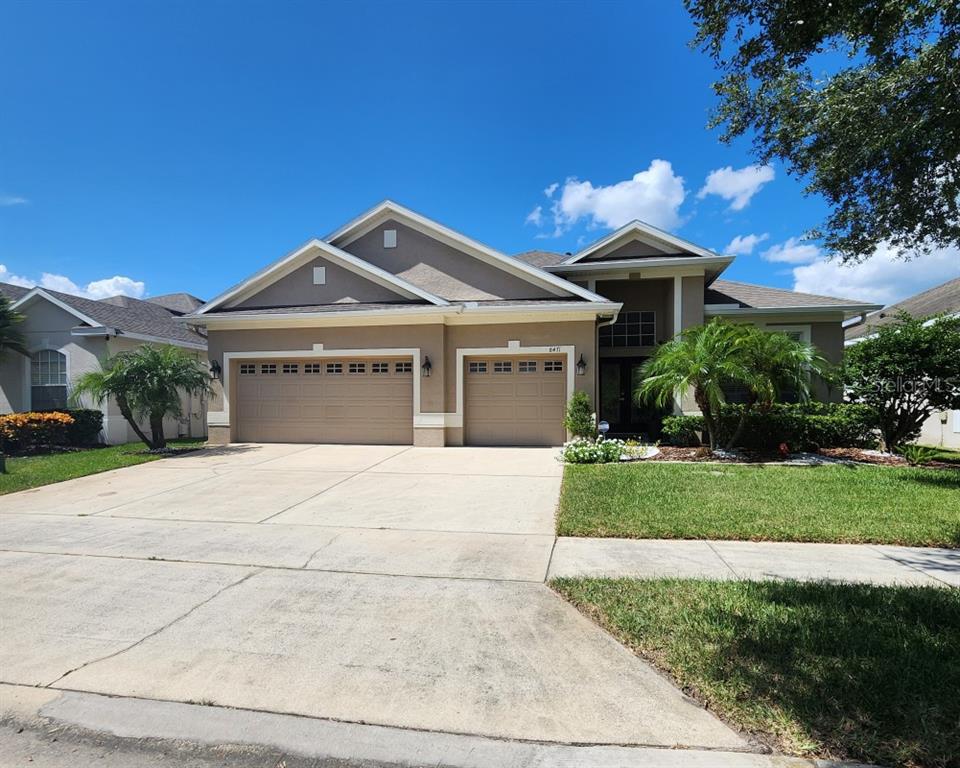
184, 145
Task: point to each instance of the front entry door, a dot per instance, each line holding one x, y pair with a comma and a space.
619, 379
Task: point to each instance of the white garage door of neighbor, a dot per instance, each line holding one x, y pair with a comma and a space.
349, 400
515, 400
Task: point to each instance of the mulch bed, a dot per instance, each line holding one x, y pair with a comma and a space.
673, 453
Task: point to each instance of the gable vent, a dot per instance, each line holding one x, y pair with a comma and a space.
389, 238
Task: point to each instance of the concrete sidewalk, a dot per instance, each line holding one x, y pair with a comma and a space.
661, 558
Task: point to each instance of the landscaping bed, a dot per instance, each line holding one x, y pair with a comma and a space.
942, 460
820, 670
840, 503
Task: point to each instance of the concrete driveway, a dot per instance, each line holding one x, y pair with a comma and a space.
390, 585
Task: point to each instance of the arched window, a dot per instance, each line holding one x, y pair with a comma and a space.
48, 380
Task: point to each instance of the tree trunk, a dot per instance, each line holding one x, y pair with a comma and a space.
128, 415
704, 404
3, 464
741, 425
156, 427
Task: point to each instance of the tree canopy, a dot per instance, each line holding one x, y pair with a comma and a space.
858, 98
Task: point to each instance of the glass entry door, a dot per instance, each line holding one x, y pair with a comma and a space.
619, 379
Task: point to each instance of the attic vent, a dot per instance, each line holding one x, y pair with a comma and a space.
389, 238
319, 275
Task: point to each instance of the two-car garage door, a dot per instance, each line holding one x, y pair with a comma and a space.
326, 401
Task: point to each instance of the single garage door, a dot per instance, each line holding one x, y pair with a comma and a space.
350, 400
514, 400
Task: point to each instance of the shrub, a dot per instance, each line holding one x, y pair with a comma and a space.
803, 426
584, 451
579, 420
86, 427
917, 455
29, 432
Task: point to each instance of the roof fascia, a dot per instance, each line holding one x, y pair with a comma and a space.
637, 227
635, 265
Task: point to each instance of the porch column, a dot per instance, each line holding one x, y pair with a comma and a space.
677, 327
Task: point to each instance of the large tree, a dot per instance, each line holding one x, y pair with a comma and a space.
906, 371
146, 384
857, 97
11, 340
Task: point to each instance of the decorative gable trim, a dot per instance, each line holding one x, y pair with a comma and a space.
305, 253
42, 294
388, 209
641, 231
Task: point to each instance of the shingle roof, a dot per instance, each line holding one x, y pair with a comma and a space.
943, 298
762, 297
541, 258
127, 315
178, 303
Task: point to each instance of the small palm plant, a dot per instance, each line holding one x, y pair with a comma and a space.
11, 340
147, 384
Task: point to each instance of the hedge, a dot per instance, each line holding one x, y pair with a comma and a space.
39, 431
803, 426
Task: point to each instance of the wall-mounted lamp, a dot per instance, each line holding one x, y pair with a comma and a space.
215, 370
426, 367
581, 365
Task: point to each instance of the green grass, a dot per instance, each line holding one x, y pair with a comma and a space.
835, 671
917, 507
947, 454
32, 471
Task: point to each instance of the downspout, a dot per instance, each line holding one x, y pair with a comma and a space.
596, 372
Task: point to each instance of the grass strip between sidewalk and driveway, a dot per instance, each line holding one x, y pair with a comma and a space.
839, 504
836, 671
25, 472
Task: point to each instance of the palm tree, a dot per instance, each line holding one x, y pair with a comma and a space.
146, 383
11, 340
703, 358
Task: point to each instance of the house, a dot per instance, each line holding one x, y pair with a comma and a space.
942, 429
69, 335
397, 329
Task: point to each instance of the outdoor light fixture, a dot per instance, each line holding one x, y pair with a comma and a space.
426, 367
581, 365
603, 427
215, 369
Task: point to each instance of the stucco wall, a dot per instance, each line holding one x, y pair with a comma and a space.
942, 432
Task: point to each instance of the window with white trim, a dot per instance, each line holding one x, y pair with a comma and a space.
503, 366
268, 368
247, 369
334, 368
553, 366
291, 368
477, 366
632, 329
527, 366
357, 368
379, 367
313, 368
403, 367
48, 380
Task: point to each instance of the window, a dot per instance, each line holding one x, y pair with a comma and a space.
268, 368
503, 366
291, 368
553, 366
478, 367
527, 366
358, 368
313, 368
380, 368
247, 369
632, 329
403, 367
334, 368
48, 379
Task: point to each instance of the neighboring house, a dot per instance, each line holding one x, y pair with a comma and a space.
942, 428
396, 329
68, 335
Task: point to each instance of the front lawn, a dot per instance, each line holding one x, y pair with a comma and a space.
828, 670
32, 471
889, 505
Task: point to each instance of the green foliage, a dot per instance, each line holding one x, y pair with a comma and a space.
579, 419
585, 451
918, 455
906, 371
146, 383
86, 427
802, 426
11, 339
877, 133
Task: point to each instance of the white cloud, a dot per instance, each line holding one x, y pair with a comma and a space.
736, 186
743, 245
535, 216
551, 189
7, 200
97, 289
793, 251
653, 195
882, 279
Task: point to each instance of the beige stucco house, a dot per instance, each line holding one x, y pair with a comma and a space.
397, 329
69, 335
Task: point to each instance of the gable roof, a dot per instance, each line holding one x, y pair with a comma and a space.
542, 258
728, 296
178, 303
643, 231
941, 299
306, 252
371, 218
135, 318
13, 292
